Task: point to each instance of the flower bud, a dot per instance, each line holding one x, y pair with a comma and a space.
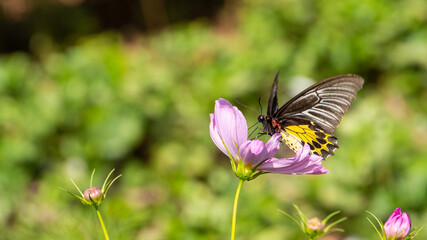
94, 193
315, 224
398, 225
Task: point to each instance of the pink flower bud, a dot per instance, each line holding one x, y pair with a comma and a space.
94, 192
315, 224
398, 224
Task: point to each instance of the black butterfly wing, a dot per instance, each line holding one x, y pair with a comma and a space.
272, 101
313, 115
324, 103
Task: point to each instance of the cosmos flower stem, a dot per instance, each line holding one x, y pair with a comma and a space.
236, 199
102, 223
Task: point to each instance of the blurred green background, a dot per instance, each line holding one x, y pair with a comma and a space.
129, 85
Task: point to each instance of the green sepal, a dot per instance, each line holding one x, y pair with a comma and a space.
105, 187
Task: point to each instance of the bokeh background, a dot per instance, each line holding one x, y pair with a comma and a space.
129, 85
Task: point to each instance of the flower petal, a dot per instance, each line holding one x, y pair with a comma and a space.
231, 125
253, 152
273, 145
215, 136
302, 163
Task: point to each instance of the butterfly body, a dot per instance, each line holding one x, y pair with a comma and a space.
312, 116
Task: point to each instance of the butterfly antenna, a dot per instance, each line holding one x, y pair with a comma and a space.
260, 105
245, 106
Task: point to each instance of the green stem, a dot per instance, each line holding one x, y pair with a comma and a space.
236, 199
102, 224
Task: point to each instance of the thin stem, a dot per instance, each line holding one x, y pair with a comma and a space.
102, 224
236, 199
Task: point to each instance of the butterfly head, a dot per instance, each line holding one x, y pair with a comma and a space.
265, 120
262, 119
268, 124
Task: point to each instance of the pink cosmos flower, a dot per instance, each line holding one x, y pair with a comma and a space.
398, 225
250, 158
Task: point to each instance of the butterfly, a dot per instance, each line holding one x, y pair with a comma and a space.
313, 115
